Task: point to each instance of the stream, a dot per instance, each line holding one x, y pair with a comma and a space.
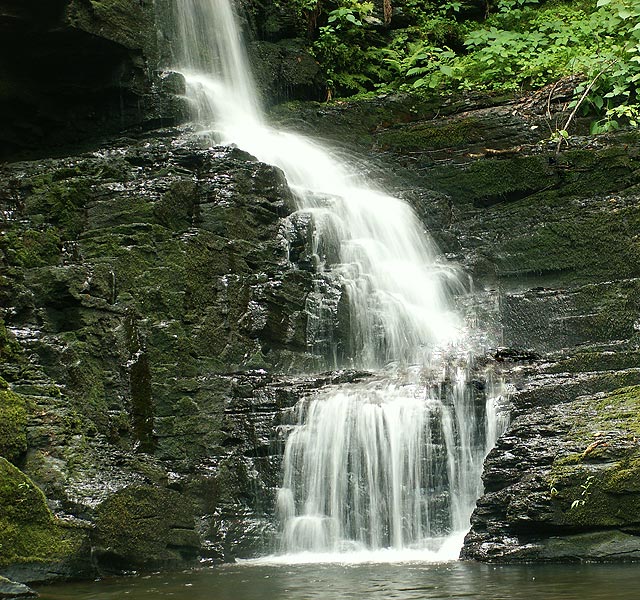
406, 581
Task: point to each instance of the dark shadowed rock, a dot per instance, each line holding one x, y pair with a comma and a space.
73, 69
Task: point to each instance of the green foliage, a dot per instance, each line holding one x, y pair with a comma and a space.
353, 63
13, 425
615, 97
503, 46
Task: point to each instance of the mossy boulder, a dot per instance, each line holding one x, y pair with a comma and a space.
563, 484
145, 527
13, 424
28, 531
599, 487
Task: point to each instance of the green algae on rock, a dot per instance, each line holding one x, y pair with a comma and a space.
144, 526
571, 489
28, 531
13, 424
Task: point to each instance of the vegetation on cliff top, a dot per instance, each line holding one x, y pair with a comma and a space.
487, 45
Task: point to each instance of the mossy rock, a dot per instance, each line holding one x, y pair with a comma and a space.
421, 136
58, 202
28, 531
599, 487
13, 424
32, 247
606, 360
124, 22
142, 527
9, 348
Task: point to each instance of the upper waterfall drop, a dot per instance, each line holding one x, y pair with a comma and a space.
373, 245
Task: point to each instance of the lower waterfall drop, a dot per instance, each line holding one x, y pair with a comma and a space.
393, 462
385, 465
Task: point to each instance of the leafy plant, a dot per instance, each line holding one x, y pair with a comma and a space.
616, 98
503, 46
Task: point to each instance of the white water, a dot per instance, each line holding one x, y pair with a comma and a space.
382, 465
390, 465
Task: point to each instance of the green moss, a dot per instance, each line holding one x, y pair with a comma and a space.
85, 380
135, 525
59, 202
608, 499
9, 347
493, 181
600, 486
564, 216
32, 248
618, 411
28, 530
13, 425
597, 361
601, 243
176, 208
626, 477
431, 136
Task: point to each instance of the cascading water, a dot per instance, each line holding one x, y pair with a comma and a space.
394, 463
384, 465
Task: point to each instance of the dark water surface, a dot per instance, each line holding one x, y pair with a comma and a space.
407, 581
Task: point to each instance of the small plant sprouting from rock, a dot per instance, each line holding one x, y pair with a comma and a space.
584, 494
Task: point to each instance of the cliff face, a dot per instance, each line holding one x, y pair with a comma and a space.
136, 280
154, 289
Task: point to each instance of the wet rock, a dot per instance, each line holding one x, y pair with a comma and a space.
33, 541
145, 347
286, 71
550, 242
144, 527
153, 306
13, 424
10, 590
561, 485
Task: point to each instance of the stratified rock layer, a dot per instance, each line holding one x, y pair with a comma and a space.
153, 297
136, 281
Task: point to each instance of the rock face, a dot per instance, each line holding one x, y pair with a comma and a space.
153, 300
136, 281
76, 69
552, 238
563, 484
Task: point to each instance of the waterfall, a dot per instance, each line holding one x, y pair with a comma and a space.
394, 463
384, 465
